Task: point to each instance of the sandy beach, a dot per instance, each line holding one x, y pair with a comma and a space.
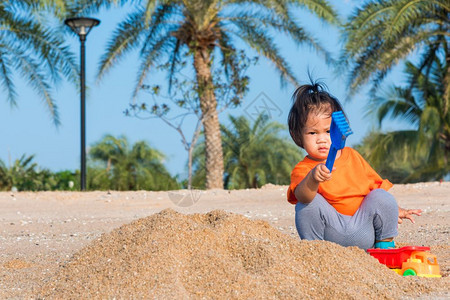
118, 244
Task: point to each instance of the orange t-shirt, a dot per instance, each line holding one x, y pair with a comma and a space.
352, 180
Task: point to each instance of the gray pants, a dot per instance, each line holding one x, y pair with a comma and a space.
376, 219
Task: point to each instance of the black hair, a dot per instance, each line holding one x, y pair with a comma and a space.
307, 98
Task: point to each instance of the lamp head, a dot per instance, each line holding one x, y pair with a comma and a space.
81, 26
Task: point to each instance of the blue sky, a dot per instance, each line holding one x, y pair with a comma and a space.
28, 128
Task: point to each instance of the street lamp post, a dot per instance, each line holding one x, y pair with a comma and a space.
82, 26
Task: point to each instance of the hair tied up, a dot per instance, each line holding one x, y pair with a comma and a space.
315, 88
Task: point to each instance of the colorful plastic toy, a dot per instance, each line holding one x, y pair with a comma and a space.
408, 261
339, 131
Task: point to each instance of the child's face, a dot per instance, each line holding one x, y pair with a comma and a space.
316, 134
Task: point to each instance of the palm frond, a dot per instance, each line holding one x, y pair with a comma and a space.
258, 39
321, 9
124, 39
382, 33
397, 103
174, 61
229, 54
150, 57
6, 78
264, 19
149, 10
47, 45
34, 50
157, 24
87, 7
31, 71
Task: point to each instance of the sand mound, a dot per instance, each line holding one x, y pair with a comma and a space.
220, 255
17, 264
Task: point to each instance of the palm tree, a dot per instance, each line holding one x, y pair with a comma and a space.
201, 30
421, 153
253, 154
392, 154
129, 168
29, 47
25, 175
381, 33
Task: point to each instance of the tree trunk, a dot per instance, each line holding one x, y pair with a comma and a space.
190, 148
190, 167
447, 85
210, 119
446, 130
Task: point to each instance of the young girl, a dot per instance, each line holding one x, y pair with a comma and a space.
351, 205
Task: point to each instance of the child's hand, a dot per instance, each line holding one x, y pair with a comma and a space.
407, 214
321, 173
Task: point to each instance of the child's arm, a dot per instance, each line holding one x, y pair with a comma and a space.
306, 190
407, 214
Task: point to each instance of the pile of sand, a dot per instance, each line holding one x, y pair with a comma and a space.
221, 255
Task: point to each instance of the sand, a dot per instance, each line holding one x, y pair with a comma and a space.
201, 245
